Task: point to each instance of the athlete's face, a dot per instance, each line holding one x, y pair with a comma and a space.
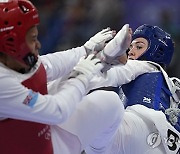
137, 48
32, 40
34, 46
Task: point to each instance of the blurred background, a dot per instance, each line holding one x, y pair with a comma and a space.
70, 23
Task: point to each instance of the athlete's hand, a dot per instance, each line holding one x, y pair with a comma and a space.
86, 68
97, 42
116, 48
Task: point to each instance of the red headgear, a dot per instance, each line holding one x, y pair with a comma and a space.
16, 18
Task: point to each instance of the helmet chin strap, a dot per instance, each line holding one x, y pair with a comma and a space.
142, 58
30, 59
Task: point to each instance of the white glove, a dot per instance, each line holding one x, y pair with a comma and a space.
97, 42
87, 68
116, 47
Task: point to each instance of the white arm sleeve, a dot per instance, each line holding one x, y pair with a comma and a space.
18, 102
122, 74
61, 63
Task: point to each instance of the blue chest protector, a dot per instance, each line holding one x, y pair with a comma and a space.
150, 90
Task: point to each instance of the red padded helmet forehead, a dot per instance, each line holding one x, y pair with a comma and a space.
16, 18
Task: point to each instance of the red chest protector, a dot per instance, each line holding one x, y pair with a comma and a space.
23, 137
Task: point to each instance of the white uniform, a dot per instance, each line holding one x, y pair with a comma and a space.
45, 109
141, 130
87, 121
52, 110
145, 131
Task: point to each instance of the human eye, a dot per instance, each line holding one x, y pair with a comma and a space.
34, 39
139, 47
130, 47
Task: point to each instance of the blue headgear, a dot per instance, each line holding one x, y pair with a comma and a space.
160, 48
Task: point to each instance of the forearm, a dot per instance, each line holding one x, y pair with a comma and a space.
121, 74
61, 63
24, 104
